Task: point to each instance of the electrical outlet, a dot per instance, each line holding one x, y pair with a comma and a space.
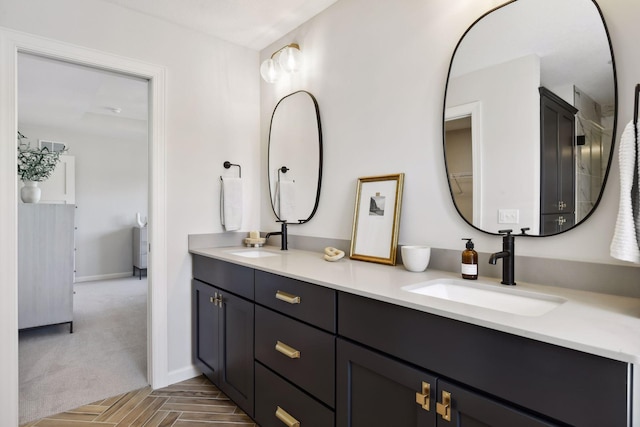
508, 216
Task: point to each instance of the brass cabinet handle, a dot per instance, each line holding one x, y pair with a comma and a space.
287, 351
444, 408
286, 418
424, 399
291, 299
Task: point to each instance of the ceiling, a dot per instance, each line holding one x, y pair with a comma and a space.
571, 43
251, 23
74, 98
61, 95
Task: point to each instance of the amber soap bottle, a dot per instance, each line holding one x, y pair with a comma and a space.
469, 262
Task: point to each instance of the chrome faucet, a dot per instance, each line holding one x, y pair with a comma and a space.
282, 233
508, 256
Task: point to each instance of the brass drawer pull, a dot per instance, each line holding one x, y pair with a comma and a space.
444, 408
291, 299
286, 418
287, 351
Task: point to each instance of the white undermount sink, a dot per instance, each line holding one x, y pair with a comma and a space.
508, 300
254, 253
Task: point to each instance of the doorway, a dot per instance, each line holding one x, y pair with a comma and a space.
100, 119
463, 153
11, 43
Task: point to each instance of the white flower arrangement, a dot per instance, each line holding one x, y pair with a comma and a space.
36, 164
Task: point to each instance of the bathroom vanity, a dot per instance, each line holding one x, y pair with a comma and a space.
294, 339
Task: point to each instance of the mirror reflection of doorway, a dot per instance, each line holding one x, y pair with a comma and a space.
102, 118
460, 162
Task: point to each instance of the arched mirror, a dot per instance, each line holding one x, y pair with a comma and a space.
530, 116
295, 158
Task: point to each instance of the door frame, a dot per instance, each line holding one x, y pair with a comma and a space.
11, 43
473, 110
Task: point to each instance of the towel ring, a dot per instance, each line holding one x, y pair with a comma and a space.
228, 164
283, 169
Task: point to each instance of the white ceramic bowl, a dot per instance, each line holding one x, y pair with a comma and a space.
415, 258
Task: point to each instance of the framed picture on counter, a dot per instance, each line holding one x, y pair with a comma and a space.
376, 220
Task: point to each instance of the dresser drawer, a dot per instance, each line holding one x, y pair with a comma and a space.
224, 275
305, 301
313, 369
275, 395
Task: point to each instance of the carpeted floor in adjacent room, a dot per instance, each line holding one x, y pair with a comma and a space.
105, 356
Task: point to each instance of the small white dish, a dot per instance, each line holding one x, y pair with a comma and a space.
415, 258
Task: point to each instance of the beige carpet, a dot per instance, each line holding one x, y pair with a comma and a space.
106, 355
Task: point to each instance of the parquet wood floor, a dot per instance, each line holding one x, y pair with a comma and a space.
192, 403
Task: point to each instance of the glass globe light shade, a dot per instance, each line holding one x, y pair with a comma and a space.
290, 59
270, 71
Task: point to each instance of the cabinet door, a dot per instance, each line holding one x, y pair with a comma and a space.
376, 391
556, 223
557, 160
206, 327
236, 346
456, 406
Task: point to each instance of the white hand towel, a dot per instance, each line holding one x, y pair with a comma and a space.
286, 200
624, 245
231, 203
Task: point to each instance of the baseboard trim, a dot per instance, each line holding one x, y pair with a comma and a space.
103, 277
182, 374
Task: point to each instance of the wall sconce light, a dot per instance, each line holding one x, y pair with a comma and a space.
289, 60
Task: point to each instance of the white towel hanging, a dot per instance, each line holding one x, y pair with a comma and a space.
231, 203
624, 245
286, 200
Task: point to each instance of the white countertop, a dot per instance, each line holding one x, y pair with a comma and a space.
605, 325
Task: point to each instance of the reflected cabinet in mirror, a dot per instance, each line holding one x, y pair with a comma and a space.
295, 158
530, 116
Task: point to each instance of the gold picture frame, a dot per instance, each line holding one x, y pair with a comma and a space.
375, 225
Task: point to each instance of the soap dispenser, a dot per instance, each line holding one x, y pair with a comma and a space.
469, 262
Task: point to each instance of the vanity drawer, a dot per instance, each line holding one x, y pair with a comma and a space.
275, 394
224, 275
313, 368
305, 301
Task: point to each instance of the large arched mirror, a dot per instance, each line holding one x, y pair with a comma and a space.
295, 158
530, 116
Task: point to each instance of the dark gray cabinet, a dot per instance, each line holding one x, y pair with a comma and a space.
544, 380
206, 325
322, 358
557, 163
223, 331
375, 390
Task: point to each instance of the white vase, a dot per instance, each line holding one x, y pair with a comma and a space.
30, 192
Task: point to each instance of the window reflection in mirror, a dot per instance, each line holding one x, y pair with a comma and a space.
497, 71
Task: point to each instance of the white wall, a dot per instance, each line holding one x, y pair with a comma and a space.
510, 148
212, 115
111, 186
378, 70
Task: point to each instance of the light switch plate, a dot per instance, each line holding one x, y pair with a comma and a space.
508, 216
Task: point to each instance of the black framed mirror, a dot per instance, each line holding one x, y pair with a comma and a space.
295, 158
530, 113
